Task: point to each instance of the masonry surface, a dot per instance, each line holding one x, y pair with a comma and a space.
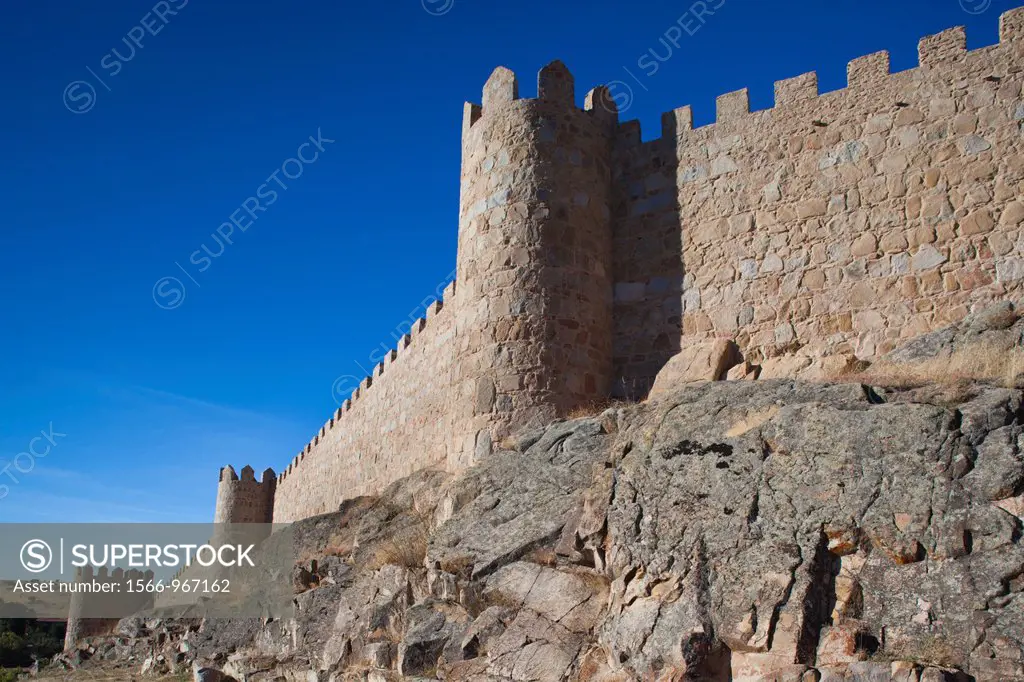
837, 223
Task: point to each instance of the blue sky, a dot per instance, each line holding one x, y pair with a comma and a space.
173, 132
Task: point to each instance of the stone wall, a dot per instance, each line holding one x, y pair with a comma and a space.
397, 422
832, 224
840, 223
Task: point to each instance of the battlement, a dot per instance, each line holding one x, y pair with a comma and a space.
392, 356
940, 51
105, 575
227, 474
555, 85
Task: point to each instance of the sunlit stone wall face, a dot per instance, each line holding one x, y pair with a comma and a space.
534, 261
831, 224
841, 223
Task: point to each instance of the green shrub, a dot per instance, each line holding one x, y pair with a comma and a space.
22, 640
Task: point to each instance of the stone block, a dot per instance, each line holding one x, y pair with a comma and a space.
974, 144
927, 257
811, 208
942, 47
733, 105
868, 70
977, 222
502, 87
707, 361
1009, 269
837, 645
796, 89
744, 371
864, 245
1012, 215
1011, 25
784, 366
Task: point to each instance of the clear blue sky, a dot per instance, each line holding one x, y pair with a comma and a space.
101, 205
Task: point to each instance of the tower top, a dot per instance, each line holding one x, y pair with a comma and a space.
555, 84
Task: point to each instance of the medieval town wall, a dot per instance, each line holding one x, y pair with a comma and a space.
837, 223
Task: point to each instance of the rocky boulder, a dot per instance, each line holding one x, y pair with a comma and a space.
750, 531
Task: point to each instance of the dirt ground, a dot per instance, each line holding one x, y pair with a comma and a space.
101, 675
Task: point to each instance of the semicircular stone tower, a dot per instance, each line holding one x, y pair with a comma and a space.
534, 258
245, 500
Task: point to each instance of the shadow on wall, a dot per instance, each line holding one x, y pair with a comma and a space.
648, 270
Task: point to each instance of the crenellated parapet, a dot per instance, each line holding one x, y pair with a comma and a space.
940, 51
555, 87
406, 344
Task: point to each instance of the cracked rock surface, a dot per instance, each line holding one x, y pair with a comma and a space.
747, 531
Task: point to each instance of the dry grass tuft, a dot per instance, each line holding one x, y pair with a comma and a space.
353, 509
339, 546
979, 362
930, 651
544, 556
502, 599
594, 408
461, 564
407, 550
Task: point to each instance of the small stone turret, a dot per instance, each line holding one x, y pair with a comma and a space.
534, 258
97, 613
245, 500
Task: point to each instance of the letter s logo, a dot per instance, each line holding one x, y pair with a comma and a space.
36, 556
